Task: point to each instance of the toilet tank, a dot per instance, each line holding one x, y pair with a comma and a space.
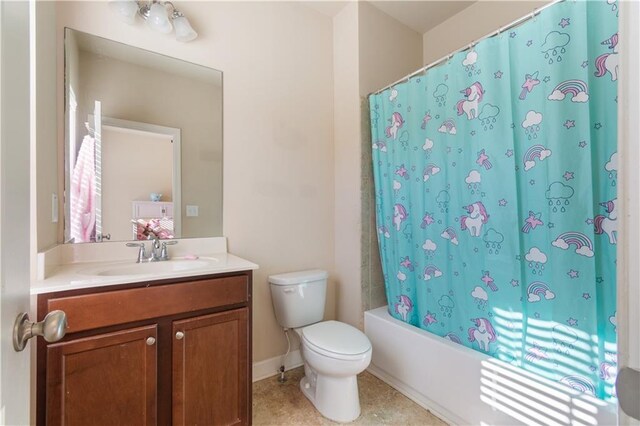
299, 297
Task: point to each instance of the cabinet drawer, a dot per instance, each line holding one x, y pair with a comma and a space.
95, 310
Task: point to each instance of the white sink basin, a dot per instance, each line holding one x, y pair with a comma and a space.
151, 268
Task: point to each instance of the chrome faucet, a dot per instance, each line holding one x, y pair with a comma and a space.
159, 251
155, 249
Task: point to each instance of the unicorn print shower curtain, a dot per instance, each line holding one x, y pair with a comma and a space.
495, 179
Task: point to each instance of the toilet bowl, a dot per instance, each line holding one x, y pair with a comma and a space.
334, 354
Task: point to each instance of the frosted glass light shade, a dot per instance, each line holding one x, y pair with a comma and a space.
184, 31
158, 18
125, 10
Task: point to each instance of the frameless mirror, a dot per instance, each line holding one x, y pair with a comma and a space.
143, 144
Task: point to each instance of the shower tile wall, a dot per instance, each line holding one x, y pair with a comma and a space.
373, 291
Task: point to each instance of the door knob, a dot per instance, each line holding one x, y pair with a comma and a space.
151, 341
52, 328
179, 335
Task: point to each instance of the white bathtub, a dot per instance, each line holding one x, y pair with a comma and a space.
463, 386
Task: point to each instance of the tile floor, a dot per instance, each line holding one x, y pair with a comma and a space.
276, 404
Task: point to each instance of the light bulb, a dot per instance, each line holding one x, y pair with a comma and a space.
159, 18
184, 31
125, 10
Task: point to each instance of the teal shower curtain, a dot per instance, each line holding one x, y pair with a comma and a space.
495, 179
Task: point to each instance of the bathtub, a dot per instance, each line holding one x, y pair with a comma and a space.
463, 386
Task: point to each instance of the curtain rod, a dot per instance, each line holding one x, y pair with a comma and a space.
470, 46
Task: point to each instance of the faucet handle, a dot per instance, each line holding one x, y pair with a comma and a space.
164, 254
142, 254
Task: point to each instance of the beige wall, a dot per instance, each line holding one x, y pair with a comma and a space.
126, 176
347, 164
149, 95
278, 130
386, 50
470, 24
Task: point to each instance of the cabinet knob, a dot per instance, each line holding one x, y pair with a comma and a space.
151, 341
179, 335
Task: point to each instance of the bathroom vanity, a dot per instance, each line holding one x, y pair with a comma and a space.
166, 349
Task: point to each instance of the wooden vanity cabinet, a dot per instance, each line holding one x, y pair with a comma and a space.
167, 352
213, 373
108, 376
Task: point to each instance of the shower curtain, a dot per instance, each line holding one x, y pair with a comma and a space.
495, 180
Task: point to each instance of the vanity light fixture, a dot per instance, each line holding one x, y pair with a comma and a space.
161, 16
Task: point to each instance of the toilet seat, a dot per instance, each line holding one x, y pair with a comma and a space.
336, 340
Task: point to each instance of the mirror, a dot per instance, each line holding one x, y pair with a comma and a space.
143, 144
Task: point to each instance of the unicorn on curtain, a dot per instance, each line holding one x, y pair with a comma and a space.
483, 333
608, 224
608, 62
404, 306
396, 124
399, 215
469, 105
477, 217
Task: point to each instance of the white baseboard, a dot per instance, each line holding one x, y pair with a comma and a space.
270, 367
426, 403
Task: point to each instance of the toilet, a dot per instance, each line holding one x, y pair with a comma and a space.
334, 353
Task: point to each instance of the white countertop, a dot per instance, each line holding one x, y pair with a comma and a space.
72, 266
79, 275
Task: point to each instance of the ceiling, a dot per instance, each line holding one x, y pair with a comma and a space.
419, 15
329, 8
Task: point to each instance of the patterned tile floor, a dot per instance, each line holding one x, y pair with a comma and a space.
276, 404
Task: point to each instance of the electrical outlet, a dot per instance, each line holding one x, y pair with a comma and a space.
54, 208
192, 211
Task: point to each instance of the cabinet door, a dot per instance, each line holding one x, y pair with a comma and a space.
108, 379
211, 369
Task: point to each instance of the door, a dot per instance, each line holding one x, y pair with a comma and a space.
210, 369
108, 379
15, 233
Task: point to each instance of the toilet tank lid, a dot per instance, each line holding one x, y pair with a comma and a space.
300, 277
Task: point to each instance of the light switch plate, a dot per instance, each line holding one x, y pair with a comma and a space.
192, 211
54, 208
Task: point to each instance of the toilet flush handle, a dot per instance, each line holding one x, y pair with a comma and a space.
289, 290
